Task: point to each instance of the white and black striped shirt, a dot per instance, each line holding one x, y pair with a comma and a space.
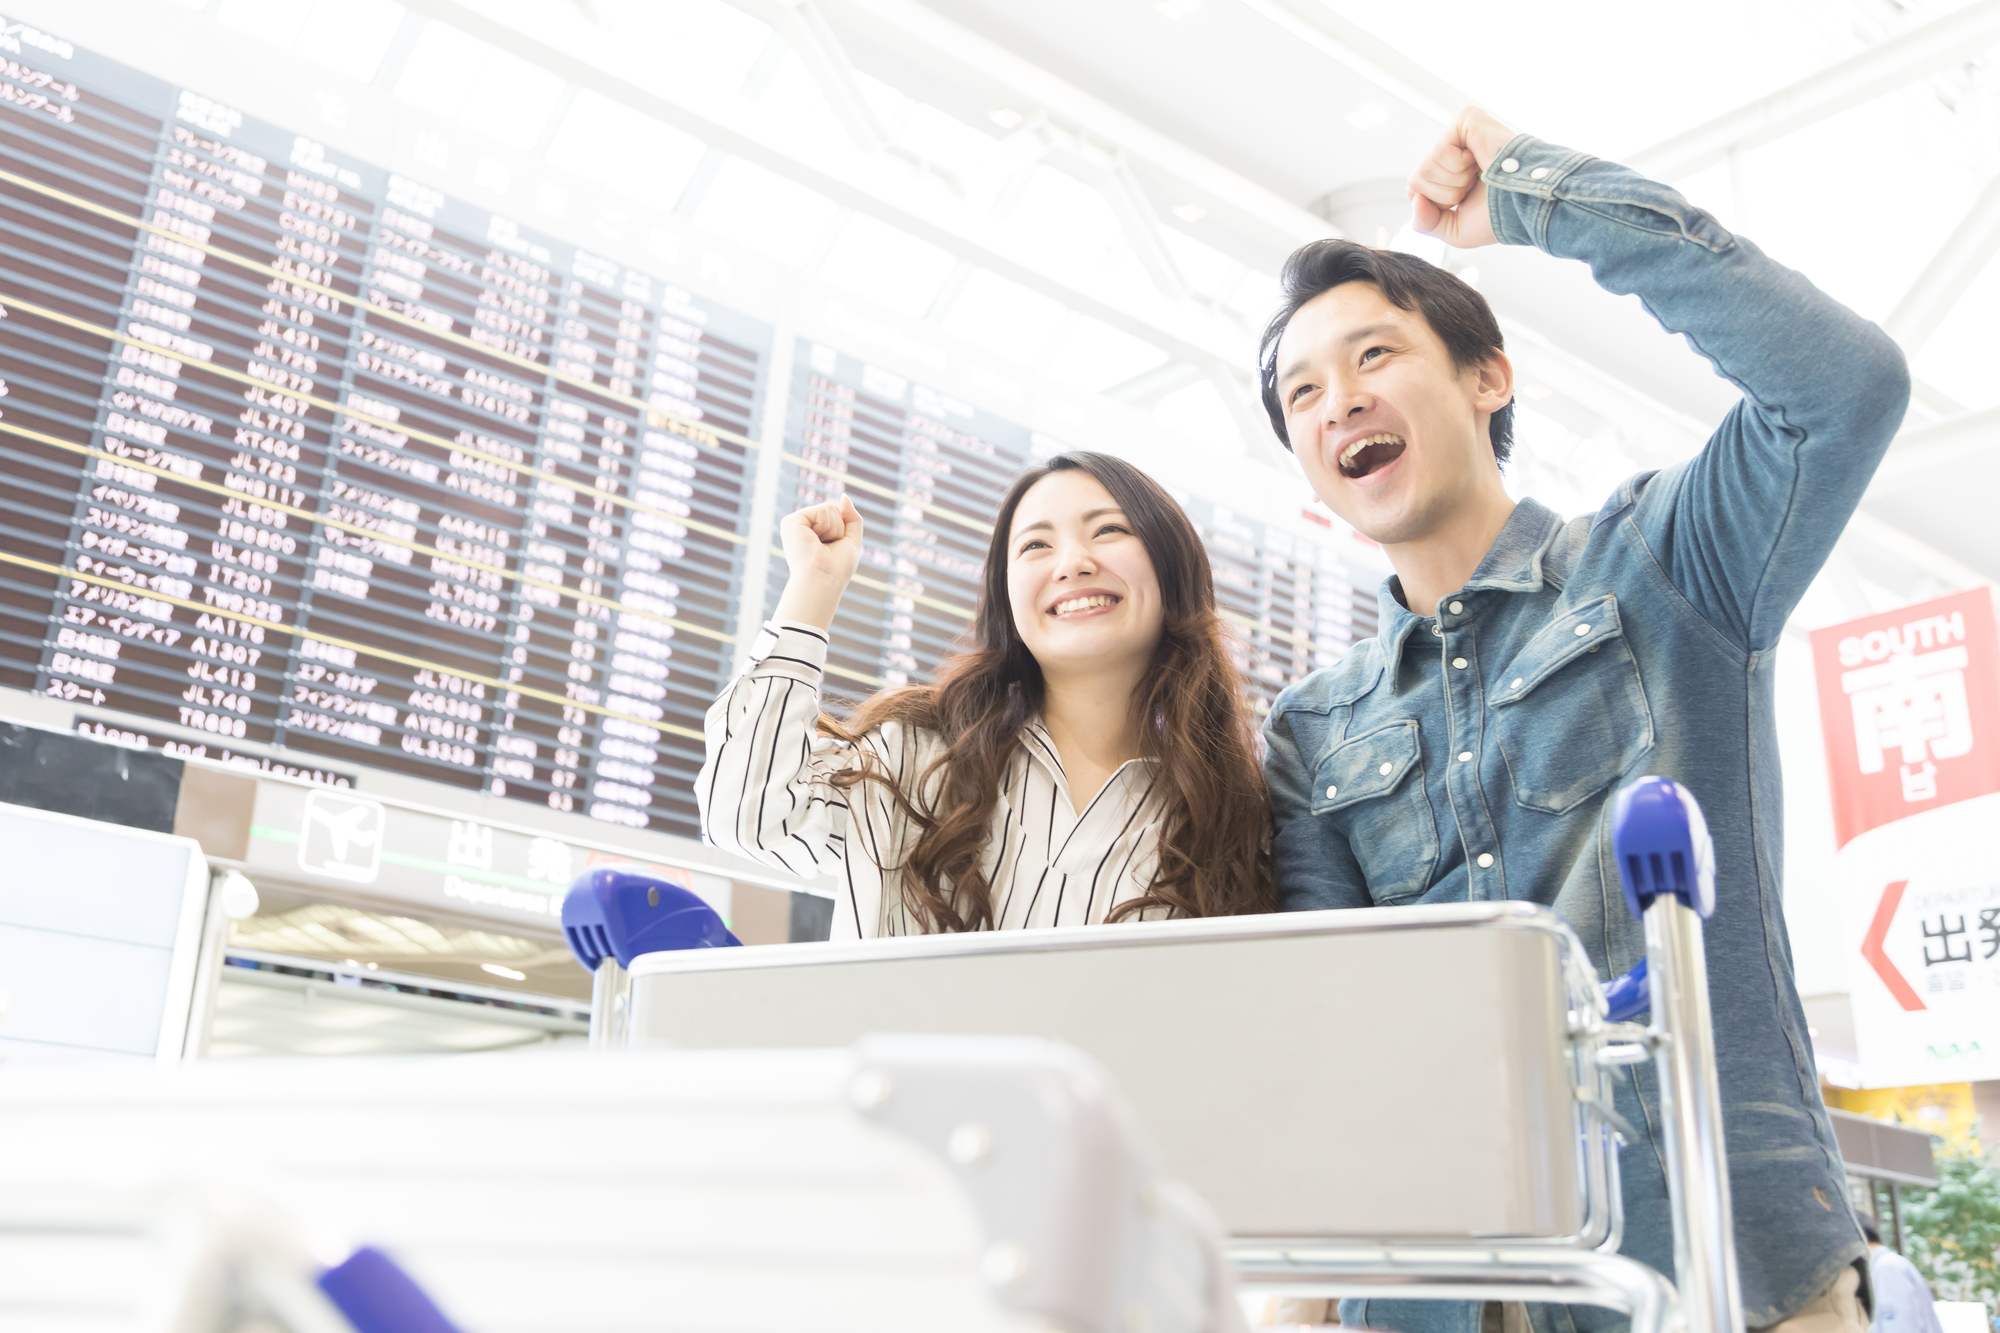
766, 792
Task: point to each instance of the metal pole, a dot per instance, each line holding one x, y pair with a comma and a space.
610, 994
1691, 1112
1896, 1212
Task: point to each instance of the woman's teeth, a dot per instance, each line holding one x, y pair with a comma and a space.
1082, 604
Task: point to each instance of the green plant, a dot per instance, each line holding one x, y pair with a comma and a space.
1952, 1233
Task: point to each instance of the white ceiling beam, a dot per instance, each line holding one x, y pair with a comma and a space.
1149, 386
875, 185
805, 29
1315, 23
1108, 170
944, 44
1962, 257
1954, 39
1917, 455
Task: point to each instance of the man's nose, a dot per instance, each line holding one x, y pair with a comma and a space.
1345, 402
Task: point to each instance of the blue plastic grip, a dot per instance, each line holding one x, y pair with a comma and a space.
379, 1297
621, 912
1660, 841
1628, 996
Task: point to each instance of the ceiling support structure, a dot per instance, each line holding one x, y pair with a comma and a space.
1315, 23
1150, 386
805, 29
1916, 455
944, 46
1951, 270
1107, 168
1954, 39
864, 184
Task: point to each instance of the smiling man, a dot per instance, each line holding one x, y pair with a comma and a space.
1526, 666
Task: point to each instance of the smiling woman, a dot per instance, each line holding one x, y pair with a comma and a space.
1088, 758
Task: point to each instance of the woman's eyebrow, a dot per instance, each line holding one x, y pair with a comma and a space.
1088, 515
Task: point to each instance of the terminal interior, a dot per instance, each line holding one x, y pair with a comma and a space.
767, 252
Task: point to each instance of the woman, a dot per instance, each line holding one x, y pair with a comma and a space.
1089, 759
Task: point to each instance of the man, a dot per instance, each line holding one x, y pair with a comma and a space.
1526, 667
1903, 1301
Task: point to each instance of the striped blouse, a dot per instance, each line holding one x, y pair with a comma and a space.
766, 792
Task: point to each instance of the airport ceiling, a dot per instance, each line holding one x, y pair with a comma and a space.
1103, 189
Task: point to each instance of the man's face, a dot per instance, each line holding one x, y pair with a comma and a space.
1392, 436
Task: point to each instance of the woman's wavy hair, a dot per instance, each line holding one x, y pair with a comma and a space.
1214, 845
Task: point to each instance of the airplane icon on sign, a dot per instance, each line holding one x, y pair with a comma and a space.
341, 836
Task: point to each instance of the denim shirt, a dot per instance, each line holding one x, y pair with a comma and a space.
1474, 754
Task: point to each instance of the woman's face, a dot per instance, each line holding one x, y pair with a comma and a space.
1083, 590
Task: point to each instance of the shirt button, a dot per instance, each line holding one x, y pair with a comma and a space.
1582, 630
1465, 756
1384, 770
1458, 662
1456, 607
1485, 860
1517, 683
1332, 792
1538, 173
1511, 164
1437, 628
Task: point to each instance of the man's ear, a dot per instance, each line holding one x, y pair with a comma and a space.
1494, 388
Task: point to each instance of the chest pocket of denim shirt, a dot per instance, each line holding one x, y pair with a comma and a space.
1372, 786
1571, 715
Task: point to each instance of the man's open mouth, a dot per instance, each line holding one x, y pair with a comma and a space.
1364, 455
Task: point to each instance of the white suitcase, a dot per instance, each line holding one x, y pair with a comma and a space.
906, 1183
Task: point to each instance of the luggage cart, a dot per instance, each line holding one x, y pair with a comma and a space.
982, 1185
1403, 1102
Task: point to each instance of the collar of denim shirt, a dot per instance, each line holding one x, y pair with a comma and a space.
1516, 562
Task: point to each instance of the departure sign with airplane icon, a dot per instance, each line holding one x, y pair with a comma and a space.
341, 836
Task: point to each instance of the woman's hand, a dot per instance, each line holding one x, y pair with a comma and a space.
822, 547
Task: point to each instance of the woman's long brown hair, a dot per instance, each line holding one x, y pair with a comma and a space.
1214, 854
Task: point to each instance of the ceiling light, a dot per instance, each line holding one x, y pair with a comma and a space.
1178, 9
500, 971
1190, 212
1006, 117
1368, 115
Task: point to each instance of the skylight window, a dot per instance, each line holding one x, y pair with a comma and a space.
349, 37
1004, 317
765, 212
887, 265
1094, 356
628, 153
478, 86
1063, 225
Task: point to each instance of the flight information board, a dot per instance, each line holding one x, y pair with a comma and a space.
303, 453
922, 469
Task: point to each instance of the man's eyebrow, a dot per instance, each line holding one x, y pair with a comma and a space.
1348, 340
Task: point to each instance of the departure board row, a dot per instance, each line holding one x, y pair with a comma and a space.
923, 468
305, 454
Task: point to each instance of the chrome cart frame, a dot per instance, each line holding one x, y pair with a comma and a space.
1584, 1269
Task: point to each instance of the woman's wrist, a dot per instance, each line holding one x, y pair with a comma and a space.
809, 601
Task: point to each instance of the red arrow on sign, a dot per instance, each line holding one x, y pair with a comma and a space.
1871, 947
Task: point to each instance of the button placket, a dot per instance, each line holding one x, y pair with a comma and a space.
1465, 703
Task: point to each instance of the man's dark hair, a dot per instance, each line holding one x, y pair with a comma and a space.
1456, 313
1868, 1228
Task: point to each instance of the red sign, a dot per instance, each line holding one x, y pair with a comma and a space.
1909, 704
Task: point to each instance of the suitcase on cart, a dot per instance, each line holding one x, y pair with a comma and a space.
1400, 1102
917, 1183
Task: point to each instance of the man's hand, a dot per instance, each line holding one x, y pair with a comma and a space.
822, 546
1449, 196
